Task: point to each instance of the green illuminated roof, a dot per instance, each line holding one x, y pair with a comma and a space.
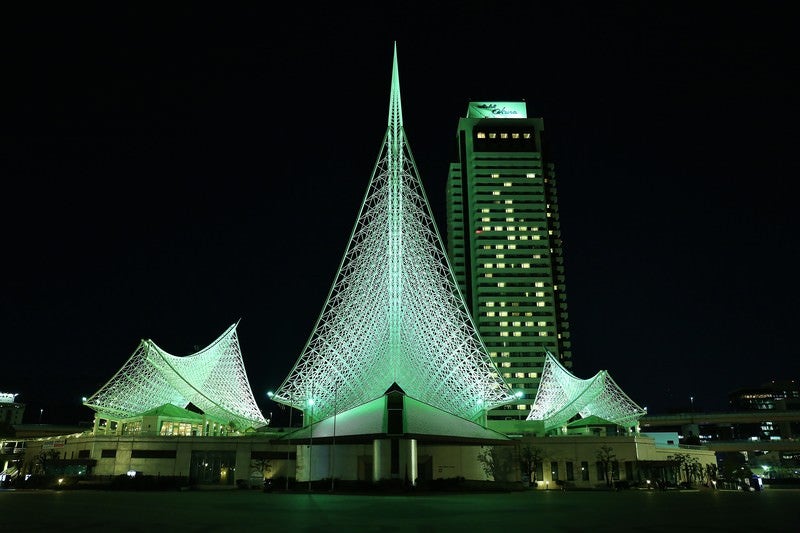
561, 396
173, 411
420, 420
213, 379
394, 312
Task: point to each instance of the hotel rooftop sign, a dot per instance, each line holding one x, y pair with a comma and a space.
497, 110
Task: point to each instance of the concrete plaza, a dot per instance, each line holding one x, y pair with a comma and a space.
242, 510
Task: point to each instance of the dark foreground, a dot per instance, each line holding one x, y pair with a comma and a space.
235, 510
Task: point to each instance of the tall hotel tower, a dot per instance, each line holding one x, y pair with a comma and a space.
504, 245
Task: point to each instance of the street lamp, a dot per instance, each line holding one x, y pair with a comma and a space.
310, 439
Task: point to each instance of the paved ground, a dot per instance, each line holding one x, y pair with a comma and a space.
235, 510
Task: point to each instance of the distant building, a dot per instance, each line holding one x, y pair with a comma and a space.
504, 244
10, 411
775, 395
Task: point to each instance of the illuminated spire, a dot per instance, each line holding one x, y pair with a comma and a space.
212, 379
394, 313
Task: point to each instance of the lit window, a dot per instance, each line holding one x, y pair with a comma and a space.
481, 135
530, 175
515, 135
504, 135
506, 184
526, 265
539, 284
508, 202
532, 374
501, 284
493, 136
490, 313
543, 334
497, 193
541, 324
536, 238
495, 175
506, 364
519, 374
510, 210
522, 407
526, 135
539, 304
485, 210
518, 334
503, 313
540, 294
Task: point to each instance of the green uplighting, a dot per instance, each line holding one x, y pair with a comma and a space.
394, 313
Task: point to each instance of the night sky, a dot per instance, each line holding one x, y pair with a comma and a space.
168, 173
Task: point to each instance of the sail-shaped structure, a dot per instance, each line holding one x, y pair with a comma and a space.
561, 396
213, 379
394, 314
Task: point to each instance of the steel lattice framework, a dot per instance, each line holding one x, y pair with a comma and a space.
213, 379
394, 312
561, 396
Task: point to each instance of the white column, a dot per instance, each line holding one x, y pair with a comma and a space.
413, 454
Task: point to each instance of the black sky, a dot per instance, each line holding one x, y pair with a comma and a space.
169, 172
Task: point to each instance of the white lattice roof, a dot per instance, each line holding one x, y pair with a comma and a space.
394, 313
213, 379
561, 396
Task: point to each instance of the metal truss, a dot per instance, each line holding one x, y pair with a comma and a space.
561, 396
213, 379
394, 312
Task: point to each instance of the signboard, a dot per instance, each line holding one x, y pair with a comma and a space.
497, 110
